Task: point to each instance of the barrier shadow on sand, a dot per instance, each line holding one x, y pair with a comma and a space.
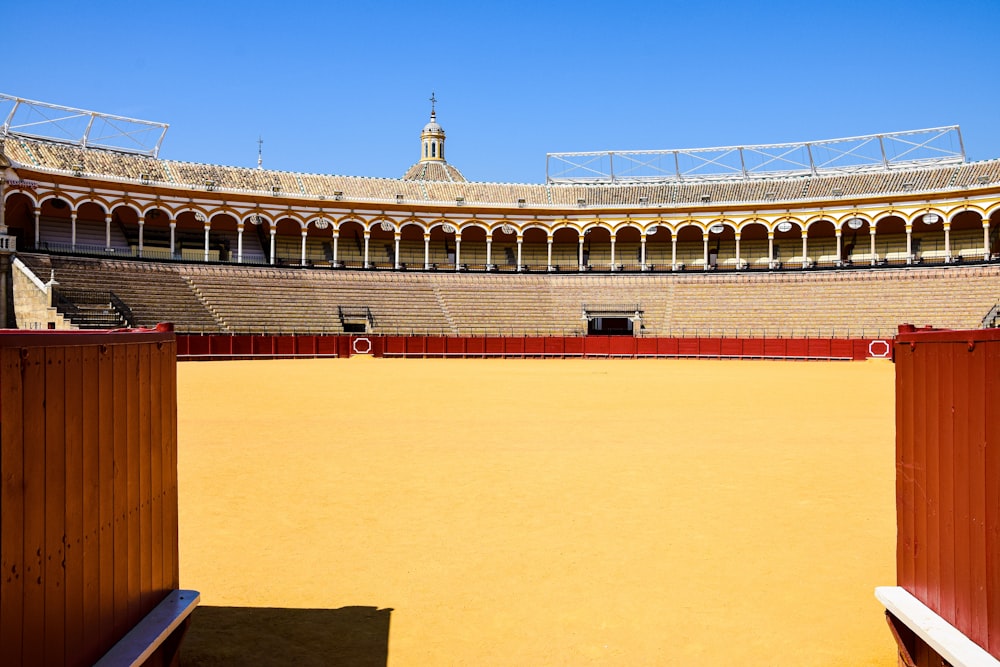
355, 636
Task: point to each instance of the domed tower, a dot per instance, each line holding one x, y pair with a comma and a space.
432, 165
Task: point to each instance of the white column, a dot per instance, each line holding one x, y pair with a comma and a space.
396, 255
274, 230
336, 238
986, 238
302, 261
38, 221
489, 251
142, 226
239, 243
947, 241
427, 252
909, 243
673, 252
704, 246
173, 229
208, 226
107, 232
770, 250
739, 261
642, 252
612, 252
871, 242
72, 229
549, 243
839, 245
805, 250
581, 253
458, 251
519, 241
368, 236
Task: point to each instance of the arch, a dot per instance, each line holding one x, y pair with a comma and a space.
19, 215
821, 233
787, 246
504, 245
854, 215
966, 235
721, 236
350, 242
566, 248
223, 239
659, 247
891, 238
754, 252
287, 235
91, 200
24, 192
375, 223
535, 247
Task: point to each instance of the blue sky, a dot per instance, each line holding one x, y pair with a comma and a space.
342, 87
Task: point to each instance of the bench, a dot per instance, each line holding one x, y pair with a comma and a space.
152, 631
944, 638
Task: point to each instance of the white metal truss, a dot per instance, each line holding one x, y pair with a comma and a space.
41, 120
873, 152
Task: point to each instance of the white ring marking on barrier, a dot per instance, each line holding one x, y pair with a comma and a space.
357, 348
885, 349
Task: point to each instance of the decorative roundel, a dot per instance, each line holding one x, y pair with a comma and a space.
879, 349
255, 219
199, 216
362, 345
652, 230
448, 228
784, 226
321, 223
931, 218
507, 229
718, 229
855, 223
386, 226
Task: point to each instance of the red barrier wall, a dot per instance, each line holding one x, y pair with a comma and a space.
192, 347
948, 477
88, 460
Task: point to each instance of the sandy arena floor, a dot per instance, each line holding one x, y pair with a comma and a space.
484, 512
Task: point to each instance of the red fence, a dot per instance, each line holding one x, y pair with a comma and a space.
193, 347
88, 462
948, 477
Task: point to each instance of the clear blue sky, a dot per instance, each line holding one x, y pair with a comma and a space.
342, 87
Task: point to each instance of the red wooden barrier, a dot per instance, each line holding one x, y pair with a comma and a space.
948, 477
273, 346
88, 462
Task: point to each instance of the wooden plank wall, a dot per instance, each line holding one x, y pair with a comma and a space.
948, 477
88, 490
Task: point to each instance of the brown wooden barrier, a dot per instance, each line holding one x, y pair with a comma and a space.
948, 480
88, 461
217, 346
947, 495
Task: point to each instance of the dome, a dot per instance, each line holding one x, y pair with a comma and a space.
432, 126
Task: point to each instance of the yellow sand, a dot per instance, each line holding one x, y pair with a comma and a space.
550, 512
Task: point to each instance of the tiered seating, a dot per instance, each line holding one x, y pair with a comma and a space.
155, 292
256, 300
245, 299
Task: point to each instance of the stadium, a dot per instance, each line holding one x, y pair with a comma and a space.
839, 239
813, 250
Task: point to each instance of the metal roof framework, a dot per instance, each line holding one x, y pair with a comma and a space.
52, 122
874, 152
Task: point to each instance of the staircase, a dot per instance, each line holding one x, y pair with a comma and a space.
92, 309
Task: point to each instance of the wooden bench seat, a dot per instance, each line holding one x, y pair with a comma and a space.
152, 631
